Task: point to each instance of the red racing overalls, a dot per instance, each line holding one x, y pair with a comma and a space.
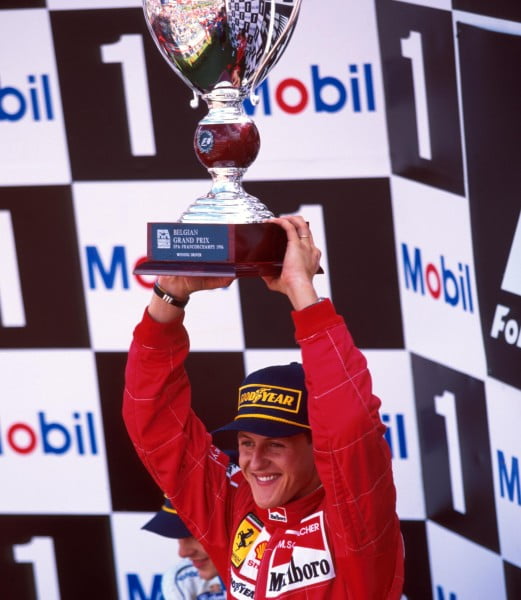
342, 541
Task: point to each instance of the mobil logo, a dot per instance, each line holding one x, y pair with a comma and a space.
33, 100
443, 281
509, 477
114, 270
319, 92
395, 435
47, 435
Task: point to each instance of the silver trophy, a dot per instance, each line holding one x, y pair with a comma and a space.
222, 49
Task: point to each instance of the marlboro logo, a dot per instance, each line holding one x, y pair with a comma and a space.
302, 558
278, 514
300, 575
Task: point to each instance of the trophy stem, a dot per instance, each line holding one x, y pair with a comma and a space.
227, 201
226, 142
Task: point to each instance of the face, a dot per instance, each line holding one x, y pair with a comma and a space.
191, 548
278, 470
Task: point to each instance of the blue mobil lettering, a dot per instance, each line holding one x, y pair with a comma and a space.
442, 595
77, 435
137, 591
395, 435
114, 272
34, 101
357, 92
509, 477
438, 281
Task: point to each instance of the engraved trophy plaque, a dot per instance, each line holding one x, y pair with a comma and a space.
222, 49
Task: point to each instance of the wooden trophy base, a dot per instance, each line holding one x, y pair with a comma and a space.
214, 250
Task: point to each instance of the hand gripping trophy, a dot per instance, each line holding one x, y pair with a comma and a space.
222, 49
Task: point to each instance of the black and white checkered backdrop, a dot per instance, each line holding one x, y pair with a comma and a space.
394, 126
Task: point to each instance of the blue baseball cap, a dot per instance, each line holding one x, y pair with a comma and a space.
272, 402
167, 523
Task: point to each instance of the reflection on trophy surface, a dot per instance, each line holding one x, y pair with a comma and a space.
223, 49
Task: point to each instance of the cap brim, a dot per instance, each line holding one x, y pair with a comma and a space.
266, 427
168, 525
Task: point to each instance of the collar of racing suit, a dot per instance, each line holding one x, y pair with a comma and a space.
290, 515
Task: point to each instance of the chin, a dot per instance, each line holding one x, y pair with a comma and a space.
206, 575
268, 498
266, 503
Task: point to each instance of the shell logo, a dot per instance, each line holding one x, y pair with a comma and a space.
259, 550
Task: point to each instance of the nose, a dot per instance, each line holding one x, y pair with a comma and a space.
185, 547
258, 459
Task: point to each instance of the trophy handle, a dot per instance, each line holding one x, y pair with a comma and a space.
194, 102
264, 67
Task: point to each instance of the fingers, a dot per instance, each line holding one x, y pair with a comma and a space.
298, 232
183, 286
302, 256
295, 226
316, 258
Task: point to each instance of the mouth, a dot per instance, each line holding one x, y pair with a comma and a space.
265, 479
199, 563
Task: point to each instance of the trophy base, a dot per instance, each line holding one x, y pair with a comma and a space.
214, 249
233, 270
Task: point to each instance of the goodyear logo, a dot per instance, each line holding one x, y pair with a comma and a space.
270, 397
246, 534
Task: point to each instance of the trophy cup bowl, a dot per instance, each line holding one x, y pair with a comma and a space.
222, 49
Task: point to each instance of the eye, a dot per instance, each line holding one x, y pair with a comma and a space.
245, 443
276, 445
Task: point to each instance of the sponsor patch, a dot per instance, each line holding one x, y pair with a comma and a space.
301, 558
240, 588
278, 514
251, 565
234, 474
273, 397
246, 534
259, 550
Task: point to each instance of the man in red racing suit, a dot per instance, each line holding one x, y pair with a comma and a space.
340, 541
